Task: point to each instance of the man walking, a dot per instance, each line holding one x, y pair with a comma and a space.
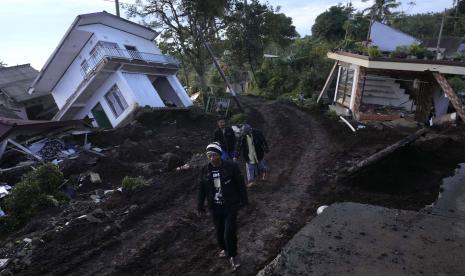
222, 184
253, 146
227, 139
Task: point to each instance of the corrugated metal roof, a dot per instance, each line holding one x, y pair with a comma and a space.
15, 82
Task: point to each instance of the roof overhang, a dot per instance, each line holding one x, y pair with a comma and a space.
413, 65
74, 40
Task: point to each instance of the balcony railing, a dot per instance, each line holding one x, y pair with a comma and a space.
100, 53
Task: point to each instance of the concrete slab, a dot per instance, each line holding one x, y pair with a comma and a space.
358, 239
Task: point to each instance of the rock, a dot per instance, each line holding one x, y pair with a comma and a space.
172, 161
133, 208
320, 209
3, 262
27, 240
96, 198
95, 178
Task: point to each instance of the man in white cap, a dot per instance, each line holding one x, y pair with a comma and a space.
222, 184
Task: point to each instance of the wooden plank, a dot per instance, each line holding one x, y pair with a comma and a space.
454, 99
385, 152
329, 80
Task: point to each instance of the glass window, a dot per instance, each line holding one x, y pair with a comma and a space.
116, 101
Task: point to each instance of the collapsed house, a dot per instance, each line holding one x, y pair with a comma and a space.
16, 102
386, 89
105, 67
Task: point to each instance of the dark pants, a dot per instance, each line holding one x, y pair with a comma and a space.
226, 229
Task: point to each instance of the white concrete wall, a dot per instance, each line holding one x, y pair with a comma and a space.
143, 91
106, 33
179, 89
99, 97
73, 77
441, 102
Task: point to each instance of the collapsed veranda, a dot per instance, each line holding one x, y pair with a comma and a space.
385, 89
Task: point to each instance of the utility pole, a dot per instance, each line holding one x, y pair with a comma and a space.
218, 67
440, 34
117, 7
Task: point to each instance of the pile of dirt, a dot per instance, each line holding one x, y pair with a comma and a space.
155, 230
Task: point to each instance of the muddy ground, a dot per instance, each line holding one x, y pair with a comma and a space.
156, 232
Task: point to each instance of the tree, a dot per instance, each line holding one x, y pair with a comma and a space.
330, 24
2, 64
183, 24
357, 28
252, 28
381, 10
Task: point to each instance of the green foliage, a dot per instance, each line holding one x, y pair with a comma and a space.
37, 190
382, 9
400, 52
357, 27
238, 118
329, 25
131, 184
459, 56
374, 52
457, 83
303, 73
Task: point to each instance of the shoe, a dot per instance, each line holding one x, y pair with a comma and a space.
250, 184
222, 254
234, 263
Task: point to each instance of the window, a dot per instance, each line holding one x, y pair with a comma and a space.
116, 101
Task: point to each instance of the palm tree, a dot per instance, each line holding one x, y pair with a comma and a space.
381, 9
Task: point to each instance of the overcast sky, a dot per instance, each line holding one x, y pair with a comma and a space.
31, 29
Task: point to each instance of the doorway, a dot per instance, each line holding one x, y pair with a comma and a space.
100, 116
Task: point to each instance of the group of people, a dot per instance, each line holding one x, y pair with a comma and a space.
222, 184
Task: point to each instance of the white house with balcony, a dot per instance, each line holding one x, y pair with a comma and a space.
105, 67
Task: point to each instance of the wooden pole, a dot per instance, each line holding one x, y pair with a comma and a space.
218, 67
440, 34
385, 152
328, 81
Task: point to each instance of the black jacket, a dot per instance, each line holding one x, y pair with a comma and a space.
261, 146
232, 186
228, 140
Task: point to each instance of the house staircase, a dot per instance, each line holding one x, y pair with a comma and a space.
384, 91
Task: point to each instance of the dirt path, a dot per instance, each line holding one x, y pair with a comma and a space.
278, 207
162, 236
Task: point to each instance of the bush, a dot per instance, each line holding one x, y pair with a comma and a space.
400, 52
374, 52
457, 84
131, 184
36, 191
238, 118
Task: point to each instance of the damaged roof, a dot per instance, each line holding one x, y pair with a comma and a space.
15, 82
9, 125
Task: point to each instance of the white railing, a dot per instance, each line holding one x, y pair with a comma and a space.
101, 53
